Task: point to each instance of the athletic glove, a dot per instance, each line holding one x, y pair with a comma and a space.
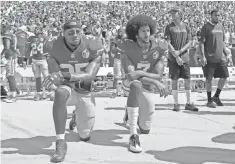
51, 80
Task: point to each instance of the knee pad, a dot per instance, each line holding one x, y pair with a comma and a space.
136, 84
145, 123
85, 135
85, 130
145, 127
142, 131
62, 92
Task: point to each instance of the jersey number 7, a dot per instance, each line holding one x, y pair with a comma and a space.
143, 66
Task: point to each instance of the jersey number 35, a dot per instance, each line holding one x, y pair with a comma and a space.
74, 69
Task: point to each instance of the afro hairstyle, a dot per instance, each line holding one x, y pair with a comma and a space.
134, 24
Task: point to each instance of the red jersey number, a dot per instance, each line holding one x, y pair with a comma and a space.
143, 66
37, 48
74, 69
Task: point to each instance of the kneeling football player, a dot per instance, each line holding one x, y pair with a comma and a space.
75, 61
143, 65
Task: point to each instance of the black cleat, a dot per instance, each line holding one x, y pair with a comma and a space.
60, 152
217, 101
176, 108
211, 104
191, 107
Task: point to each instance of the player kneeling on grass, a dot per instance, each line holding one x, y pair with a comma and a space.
75, 61
143, 66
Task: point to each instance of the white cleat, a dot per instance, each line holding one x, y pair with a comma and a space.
10, 99
134, 144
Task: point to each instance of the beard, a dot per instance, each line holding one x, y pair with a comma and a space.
144, 40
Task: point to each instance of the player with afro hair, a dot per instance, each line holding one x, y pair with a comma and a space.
134, 24
141, 58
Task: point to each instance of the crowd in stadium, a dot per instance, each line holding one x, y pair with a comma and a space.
112, 16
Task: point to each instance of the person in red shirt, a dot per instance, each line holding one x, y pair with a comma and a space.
73, 64
36, 51
9, 54
141, 58
22, 38
214, 57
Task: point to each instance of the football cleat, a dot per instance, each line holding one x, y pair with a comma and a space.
38, 97
134, 144
10, 99
176, 108
217, 101
60, 152
51, 96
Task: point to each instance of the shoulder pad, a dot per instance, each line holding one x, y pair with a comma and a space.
7, 35
163, 45
128, 41
125, 42
94, 43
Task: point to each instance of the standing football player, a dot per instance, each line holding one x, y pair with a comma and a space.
178, 36
117, 66
74, 64
35, 49
22, 39
143, 66
213, 61
10, 54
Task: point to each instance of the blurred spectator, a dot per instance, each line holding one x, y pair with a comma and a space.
111, 16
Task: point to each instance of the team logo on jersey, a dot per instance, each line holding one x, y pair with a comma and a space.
85, 53
155, 55
72, 55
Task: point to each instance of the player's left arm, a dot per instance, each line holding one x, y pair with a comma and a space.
28, 48
189, 41
224, 45
133, 74
14, 41
6, 44
157, 71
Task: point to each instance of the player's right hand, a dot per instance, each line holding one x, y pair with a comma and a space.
203, 61
179, 61
51, 80
3, 61
162, 89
